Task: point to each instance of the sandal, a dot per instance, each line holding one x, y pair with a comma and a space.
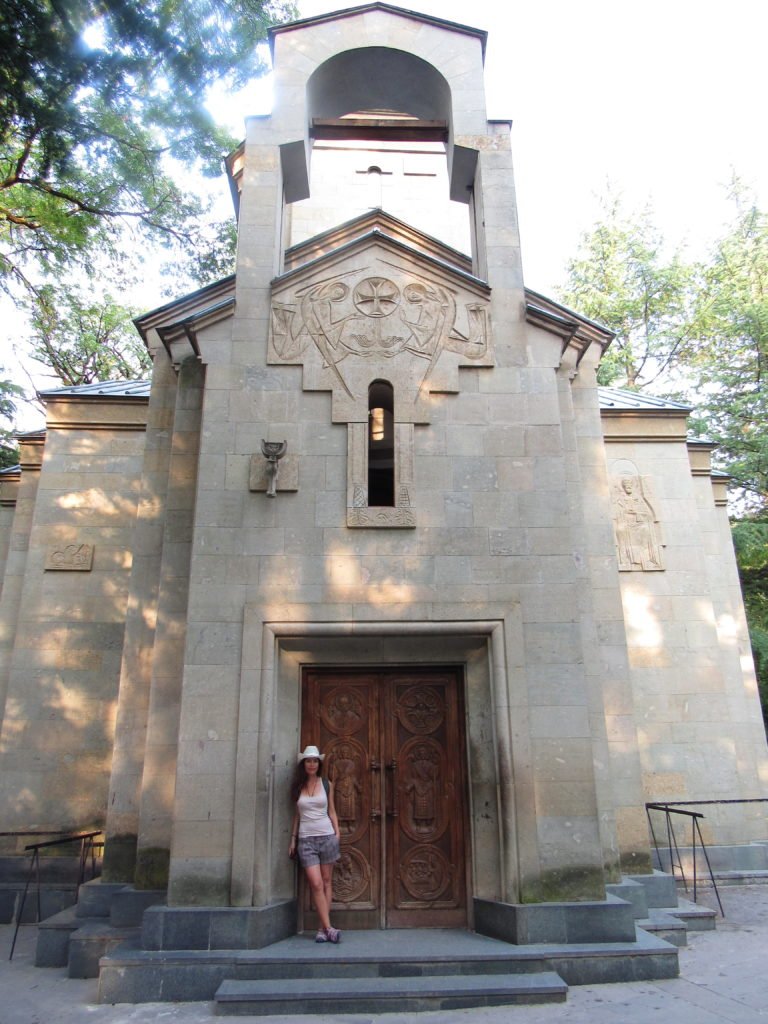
321, 936
333, 935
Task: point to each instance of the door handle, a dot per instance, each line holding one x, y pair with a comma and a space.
390, 784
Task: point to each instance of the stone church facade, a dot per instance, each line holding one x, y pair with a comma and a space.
374, 499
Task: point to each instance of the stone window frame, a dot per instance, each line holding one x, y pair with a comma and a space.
359, 513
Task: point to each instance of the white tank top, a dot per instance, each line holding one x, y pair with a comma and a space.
313, 814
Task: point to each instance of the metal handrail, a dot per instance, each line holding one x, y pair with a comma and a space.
87, 849
669, 809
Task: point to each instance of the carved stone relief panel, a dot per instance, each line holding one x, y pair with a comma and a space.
70, 558
636, 524
379, 312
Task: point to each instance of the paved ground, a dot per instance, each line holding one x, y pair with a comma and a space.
723, 978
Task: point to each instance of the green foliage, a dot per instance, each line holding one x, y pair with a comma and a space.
87, 131
212, 260
730, 361
699, 333
84, 340
621, 279
9, 394
750, 538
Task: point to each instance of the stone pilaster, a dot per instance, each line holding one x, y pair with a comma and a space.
122, 825
160, 753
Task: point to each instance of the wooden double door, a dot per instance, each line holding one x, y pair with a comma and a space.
394, 749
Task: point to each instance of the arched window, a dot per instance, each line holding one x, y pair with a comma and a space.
381, 444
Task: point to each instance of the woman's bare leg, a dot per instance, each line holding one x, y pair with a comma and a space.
317, 886
326, 870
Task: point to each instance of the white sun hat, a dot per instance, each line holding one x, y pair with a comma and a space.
311, 752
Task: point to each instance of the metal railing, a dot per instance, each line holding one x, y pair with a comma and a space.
675, 861
87, 851
670, 807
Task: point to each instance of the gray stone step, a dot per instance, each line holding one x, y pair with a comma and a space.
634, 894
660, 888
694, 916
737, 878
132, 975
387, 995
127, 906
665, 925
53, 934
53, 898
90, 942
95, 898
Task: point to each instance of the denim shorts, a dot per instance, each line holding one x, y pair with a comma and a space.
318, 850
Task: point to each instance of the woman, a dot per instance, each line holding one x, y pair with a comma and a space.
316, 829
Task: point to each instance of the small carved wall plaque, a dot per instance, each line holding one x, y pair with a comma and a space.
70, 558
259, 478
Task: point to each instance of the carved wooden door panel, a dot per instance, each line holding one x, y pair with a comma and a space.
425, 869
394, 750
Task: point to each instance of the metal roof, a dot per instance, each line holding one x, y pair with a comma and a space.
108, 388
610, 398
619, 398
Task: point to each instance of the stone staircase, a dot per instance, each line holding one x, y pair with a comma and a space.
246, 961
105, 916
731, 865
57, 889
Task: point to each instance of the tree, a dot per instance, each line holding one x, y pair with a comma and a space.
621, 278
729, 364
9, 393
84, 340
750, 538
697, 333
96, 97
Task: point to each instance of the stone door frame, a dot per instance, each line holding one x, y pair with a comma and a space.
503, 844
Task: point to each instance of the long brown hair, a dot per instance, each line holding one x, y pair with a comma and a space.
300, 778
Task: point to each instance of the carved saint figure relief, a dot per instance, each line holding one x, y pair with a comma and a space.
638, 539
422, 787
348, 789
344, 712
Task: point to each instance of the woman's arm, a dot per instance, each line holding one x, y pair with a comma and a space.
332, 810
294, 832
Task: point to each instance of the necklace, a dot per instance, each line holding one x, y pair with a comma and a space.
313, 789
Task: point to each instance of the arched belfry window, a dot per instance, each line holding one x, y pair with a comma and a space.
381, 444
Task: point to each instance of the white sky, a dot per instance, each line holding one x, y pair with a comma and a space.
662, 99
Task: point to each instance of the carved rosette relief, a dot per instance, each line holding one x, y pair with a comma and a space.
636, 525
421, 709
351, 876
425, 873
380, 314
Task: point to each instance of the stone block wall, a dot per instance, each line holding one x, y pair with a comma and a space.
697, 715
66, 601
